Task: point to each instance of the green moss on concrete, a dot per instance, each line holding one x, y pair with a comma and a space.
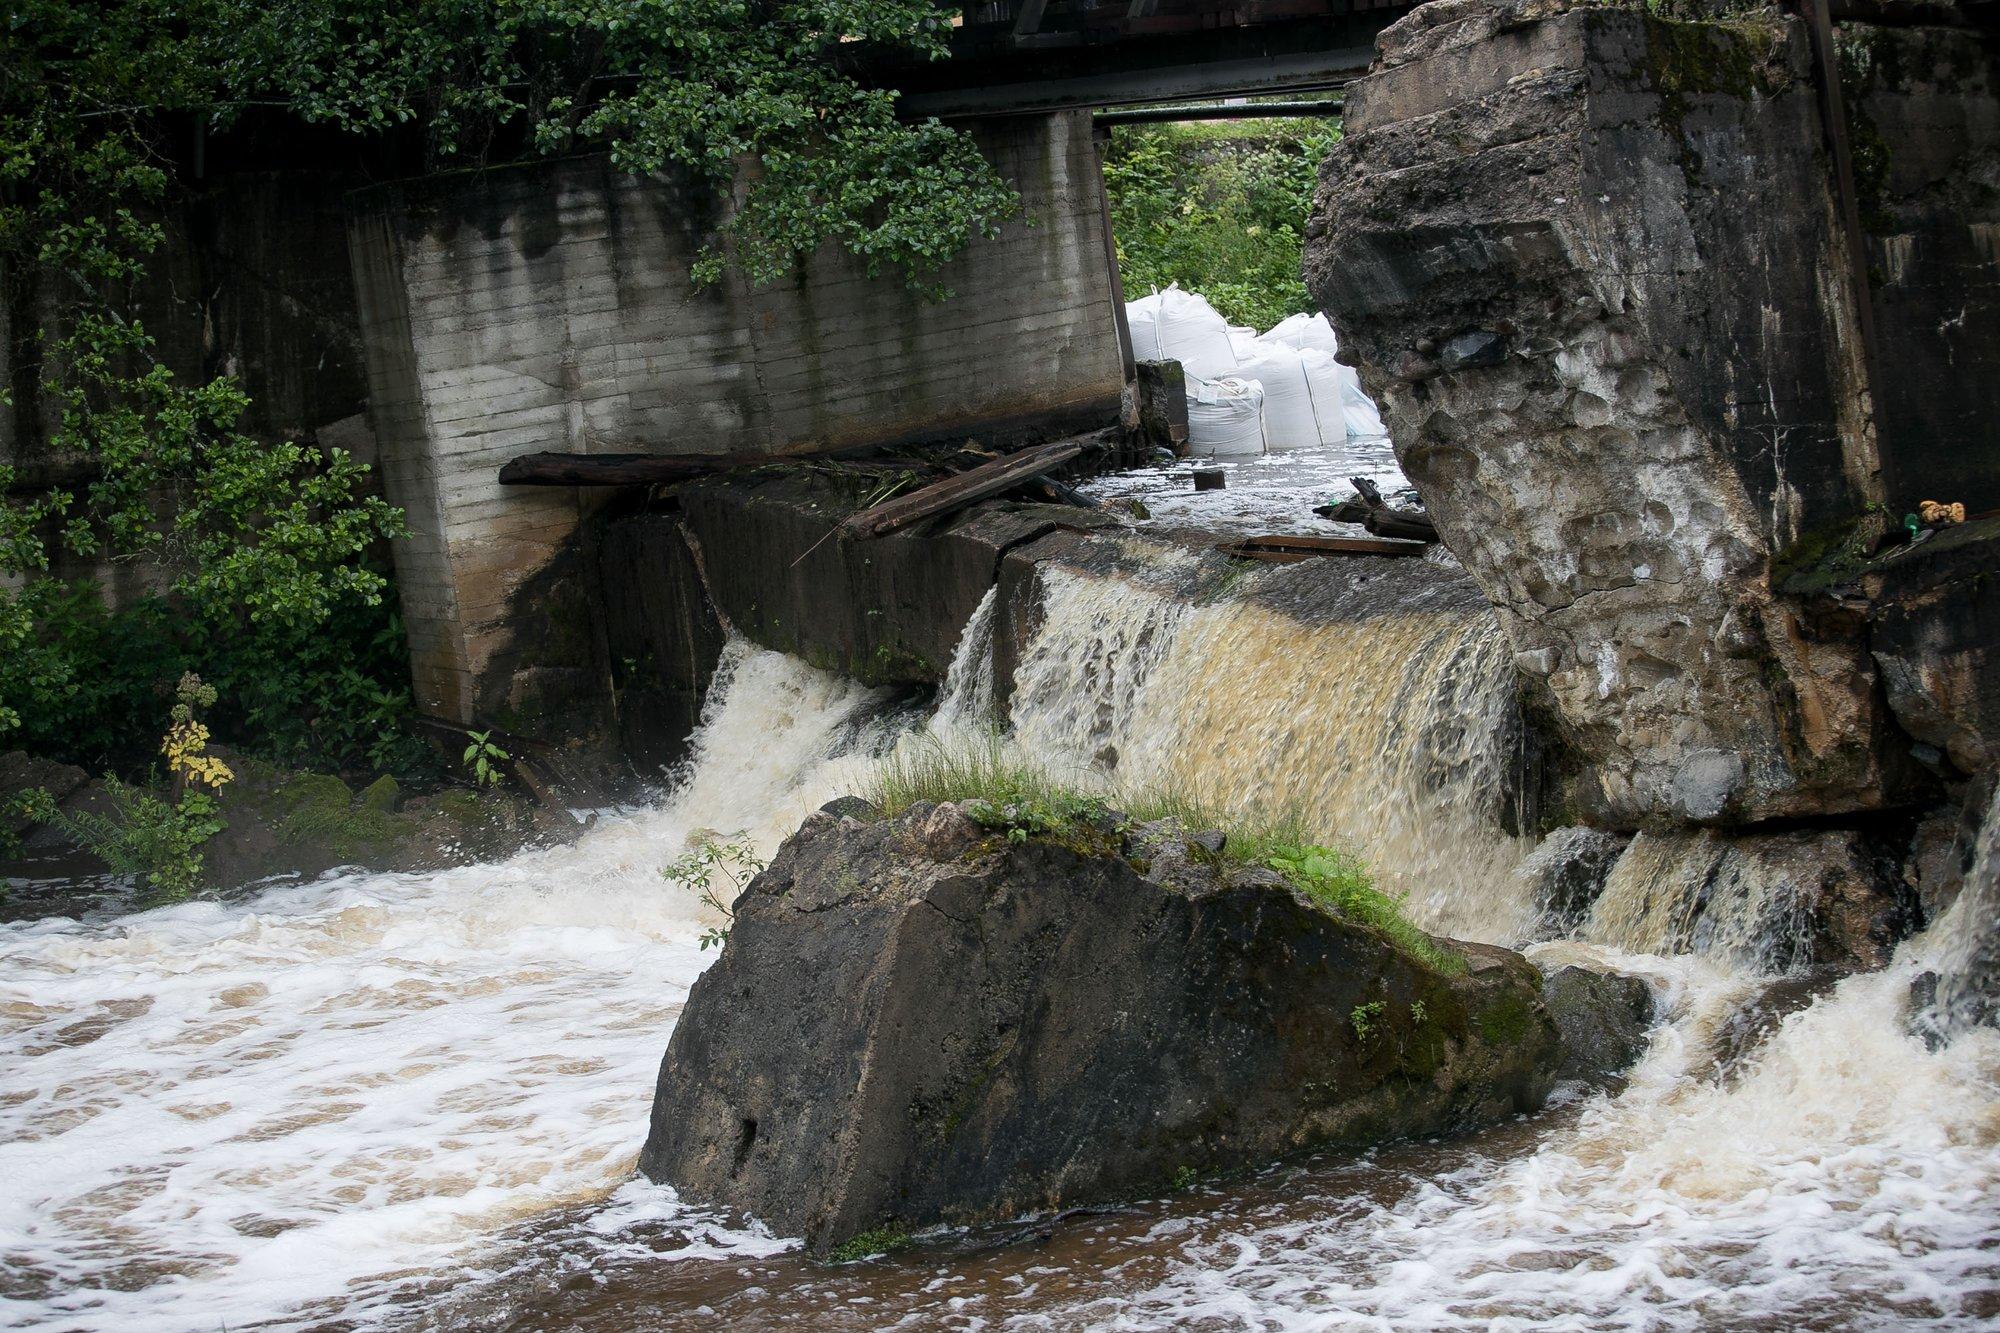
878, 1241
315, 791
1733, 57
461, 807
1828, 556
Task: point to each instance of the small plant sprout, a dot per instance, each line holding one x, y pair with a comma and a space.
1366, 1018
716, 868
484, 758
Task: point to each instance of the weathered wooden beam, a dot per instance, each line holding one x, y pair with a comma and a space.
942, 497
550, 469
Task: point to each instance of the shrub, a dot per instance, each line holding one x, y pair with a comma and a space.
162, 837
716, 869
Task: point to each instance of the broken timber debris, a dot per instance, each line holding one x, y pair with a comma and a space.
942, 497
1371, 511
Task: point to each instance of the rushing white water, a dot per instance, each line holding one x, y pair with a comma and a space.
350, 1100
213, 1112
1847, 1177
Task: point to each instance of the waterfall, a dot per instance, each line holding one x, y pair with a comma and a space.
1967, 956
1702, 893
966, 700
1387, 733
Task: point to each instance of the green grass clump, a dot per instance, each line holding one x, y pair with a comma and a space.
1003, 792
1340, 881
997, 790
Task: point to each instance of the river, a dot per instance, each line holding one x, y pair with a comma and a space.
415, 1101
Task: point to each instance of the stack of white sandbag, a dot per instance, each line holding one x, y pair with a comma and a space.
1251, 393
1301, 396
1312, 333
1302, 331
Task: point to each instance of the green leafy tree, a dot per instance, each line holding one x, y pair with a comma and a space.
259, 548
1218, 208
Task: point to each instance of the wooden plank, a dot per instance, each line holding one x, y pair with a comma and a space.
942, 497
556, 469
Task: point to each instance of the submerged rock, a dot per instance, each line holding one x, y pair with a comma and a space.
1603, 1018
1774, 901
920, 1021
1565, 873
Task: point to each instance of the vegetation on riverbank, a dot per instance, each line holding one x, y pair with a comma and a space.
1219, 207
261, 562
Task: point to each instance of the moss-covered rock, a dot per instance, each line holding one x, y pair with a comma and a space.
1046, 1017
384, 794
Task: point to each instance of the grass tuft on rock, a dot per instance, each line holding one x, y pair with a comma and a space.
1004, 792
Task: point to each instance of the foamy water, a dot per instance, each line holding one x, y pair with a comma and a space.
1269, 493
1846, 1177
215, 1112
417, 1100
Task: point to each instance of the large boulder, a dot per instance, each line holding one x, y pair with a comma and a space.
1642, 424
922, 1020
1604, 1018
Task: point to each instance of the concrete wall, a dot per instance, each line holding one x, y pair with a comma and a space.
548, 307
1924, 124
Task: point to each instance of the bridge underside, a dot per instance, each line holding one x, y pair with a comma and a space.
1020, 57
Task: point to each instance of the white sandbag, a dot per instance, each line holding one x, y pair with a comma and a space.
1302, 398
1356, 406
1174, 325
1243, 340
1226, 418
1303, 331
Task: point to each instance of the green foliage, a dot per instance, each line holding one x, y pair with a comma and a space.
147, 835
1220, 209
1185, 1178
258, 548
1367, 1019
483, 758
162, 838
870, 1244
698, 86
29, 806
716, 869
